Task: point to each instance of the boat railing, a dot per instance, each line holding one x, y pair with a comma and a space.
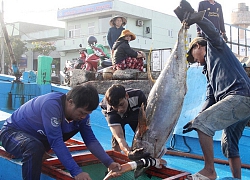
238, 39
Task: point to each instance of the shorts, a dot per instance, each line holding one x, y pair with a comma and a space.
230, 115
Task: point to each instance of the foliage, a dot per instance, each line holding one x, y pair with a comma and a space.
18, 47
42, 47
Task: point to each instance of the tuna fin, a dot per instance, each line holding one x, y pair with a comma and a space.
139, 171
142, 121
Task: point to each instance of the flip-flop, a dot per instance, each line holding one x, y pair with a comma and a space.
198, 176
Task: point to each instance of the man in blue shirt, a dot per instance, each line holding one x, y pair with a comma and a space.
45, 122
227, 105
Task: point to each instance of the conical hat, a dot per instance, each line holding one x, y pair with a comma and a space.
124, 20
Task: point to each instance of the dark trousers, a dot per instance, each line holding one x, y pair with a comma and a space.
27, 148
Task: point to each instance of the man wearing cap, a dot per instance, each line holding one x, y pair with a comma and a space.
116, 29
124, 56
227, 106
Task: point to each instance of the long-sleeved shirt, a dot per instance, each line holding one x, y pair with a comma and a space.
213, 13
43, 118
225, 74
113, 35
122, 51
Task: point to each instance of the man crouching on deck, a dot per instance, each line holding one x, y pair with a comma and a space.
45, 122
121, 106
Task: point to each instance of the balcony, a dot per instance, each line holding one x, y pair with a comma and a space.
71, 44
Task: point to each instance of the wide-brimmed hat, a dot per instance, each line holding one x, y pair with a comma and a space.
196, 40
124, 20
126, 32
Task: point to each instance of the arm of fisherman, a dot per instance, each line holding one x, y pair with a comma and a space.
210, 100
200, 8
94, 145
119, 136
53, 132
211, 32
222, 24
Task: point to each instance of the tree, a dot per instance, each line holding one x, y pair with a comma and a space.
42, 47
19, 48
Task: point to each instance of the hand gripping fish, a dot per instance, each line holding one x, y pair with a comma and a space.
164, 103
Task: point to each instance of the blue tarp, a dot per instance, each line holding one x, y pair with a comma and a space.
194, 100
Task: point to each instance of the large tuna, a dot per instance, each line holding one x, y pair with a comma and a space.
164, 104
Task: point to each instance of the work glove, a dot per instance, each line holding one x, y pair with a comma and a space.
186, 7
187, 15
183, 9
137, 154
188, 127
224, 36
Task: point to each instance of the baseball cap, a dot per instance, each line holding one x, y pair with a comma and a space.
196, 40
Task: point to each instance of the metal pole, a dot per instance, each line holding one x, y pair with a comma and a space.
2, 47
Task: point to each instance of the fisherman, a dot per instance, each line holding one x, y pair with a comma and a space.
213, 13
227, 106
45, 122
120, 106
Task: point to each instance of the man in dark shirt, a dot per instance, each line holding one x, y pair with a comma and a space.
227, 105
213, 13
117, 24
120, 107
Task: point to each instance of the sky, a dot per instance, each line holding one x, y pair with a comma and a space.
45, 11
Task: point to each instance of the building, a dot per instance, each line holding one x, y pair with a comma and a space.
154, 30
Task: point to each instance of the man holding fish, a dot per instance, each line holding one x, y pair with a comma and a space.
227, 106
121, 106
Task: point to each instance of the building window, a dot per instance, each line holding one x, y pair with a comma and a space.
91, 28
170, 32
189, 38
74, 31
104, 24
